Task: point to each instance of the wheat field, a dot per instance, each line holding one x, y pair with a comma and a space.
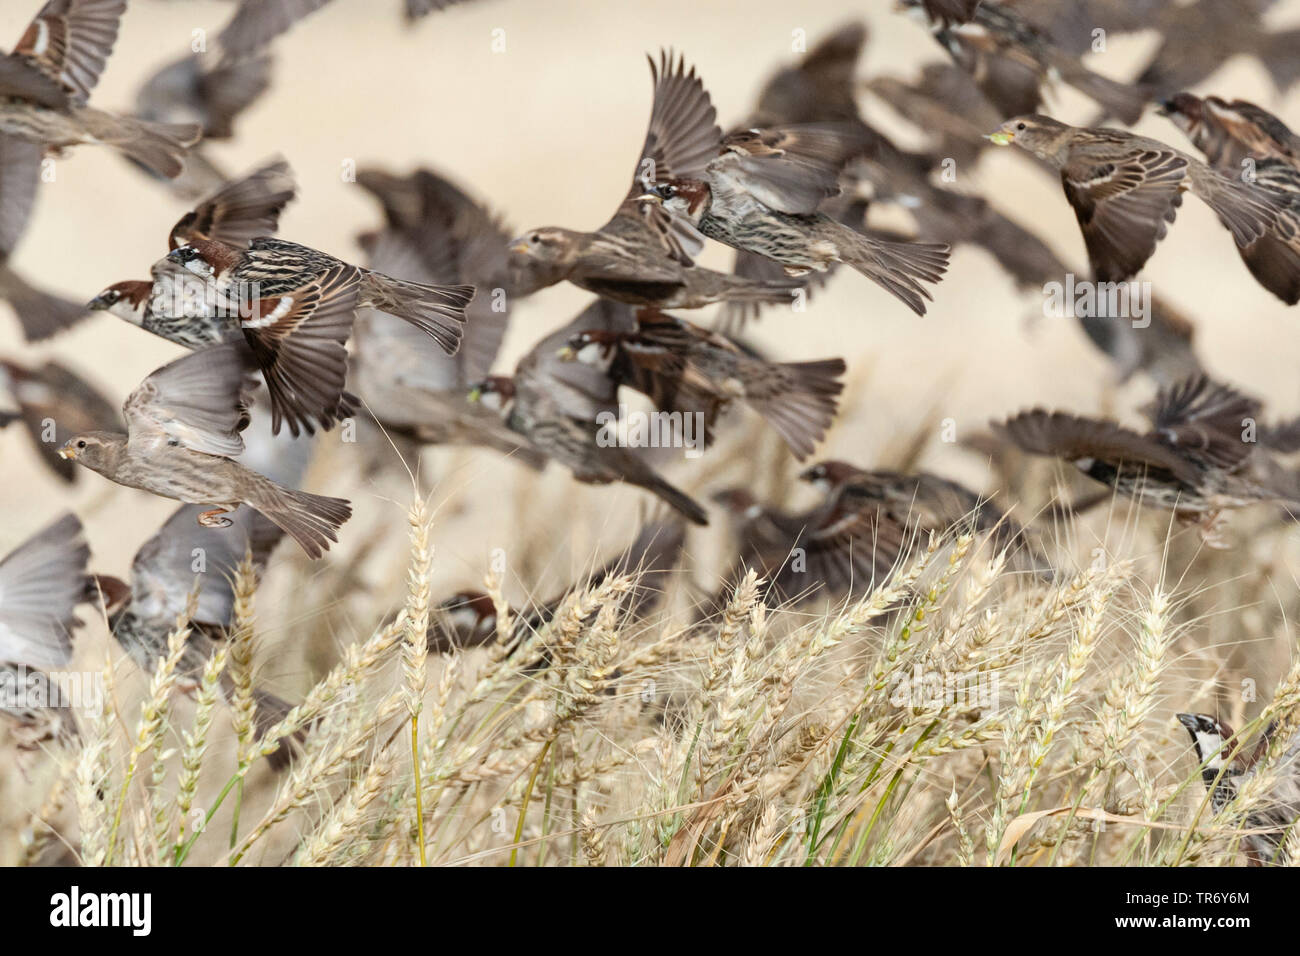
962, 713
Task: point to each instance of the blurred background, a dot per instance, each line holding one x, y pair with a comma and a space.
547, 131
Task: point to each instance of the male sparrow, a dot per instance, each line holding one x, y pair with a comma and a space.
683, 367
643, 256
1225, 766
46, 81
762, 194
183, 425
1198, 459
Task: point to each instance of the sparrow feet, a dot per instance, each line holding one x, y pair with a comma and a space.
1211, 528
215, 519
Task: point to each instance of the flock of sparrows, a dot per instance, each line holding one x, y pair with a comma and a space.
267, 322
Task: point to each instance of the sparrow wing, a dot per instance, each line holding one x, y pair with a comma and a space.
20, 172
1204, 419
70, 41
682, 138
183, 552
242, 210
257, 22
790, 168
297, 339
1069, 437
844, 545
1124, 200
18, 77
55, 393
41, 583
196, 401
574, 389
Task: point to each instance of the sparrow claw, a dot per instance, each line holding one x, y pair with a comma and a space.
215, 518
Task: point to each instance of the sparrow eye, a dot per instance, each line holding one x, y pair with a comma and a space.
535, 238
81, 443
1020, 127
669, 192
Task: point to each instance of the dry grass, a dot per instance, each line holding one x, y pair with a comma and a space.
760, 737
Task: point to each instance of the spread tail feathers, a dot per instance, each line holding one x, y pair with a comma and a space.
803, 408
899, 267
160, 146
678, 500
438, 310
311, 520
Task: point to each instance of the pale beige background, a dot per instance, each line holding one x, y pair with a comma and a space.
548, 131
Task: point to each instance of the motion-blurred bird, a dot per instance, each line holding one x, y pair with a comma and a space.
55, 403
46, 81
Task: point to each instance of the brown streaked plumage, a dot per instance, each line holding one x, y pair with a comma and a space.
1126, 189
643, 256
183, 425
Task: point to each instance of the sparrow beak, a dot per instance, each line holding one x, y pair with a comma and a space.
97, 304
566, 354
1165, 108
519, 247
68, 453
650, 197
474, 395
1000, 137
1189, 721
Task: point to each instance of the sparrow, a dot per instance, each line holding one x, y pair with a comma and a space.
257, 22
926, 503
40, 314
235, 214
184, 557
1223, 774
296, 307
1126, 189
409, 386
55, 403
948, 110
469, 618
41, 583
683, 367
1200, 36
568, 411
840, 548
1072, 24
1011, 60
762, 194
194, 89
1240, 139
948, 12
183, 430
46, 81
1196, 460
643, 256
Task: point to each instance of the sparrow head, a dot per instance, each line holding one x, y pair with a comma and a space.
98, 451
1038, 134
496, 392
1210, 737
547, 244
465, 619
204, 257
1185, 109
126, 300
112, 592
593, 347
826, 476
689, 198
